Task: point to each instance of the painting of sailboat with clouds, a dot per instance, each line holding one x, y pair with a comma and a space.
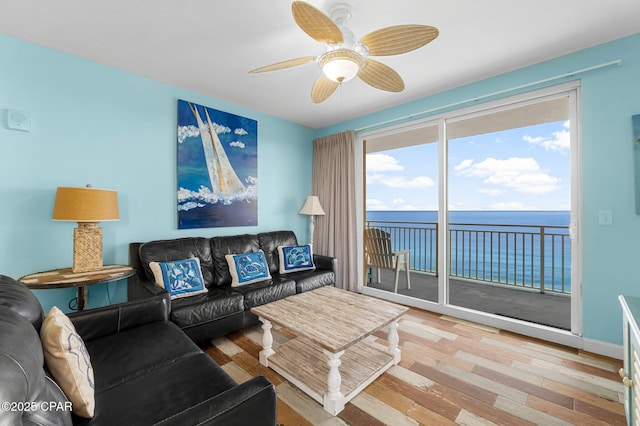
217, 168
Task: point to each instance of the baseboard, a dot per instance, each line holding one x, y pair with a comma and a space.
603, 348
517, 326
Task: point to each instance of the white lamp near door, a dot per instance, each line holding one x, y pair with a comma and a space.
312, 208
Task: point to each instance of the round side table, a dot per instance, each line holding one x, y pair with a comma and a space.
64, 278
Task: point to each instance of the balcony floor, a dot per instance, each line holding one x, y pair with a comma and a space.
547, 309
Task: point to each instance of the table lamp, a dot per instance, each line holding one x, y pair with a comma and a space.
312, 208
87, 206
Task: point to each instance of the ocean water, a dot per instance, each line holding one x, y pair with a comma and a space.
495, 246
241, 213
544, 218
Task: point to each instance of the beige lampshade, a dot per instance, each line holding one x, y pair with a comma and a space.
85, 204
312, 207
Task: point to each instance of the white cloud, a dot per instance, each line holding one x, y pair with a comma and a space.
493, 192
375, 178
383, 163
401, 181
191, 131
520, 174
401, 204
463, 165
237, 144
559, 141
219, 128
189, 199
373, 204
388, 163
187, 132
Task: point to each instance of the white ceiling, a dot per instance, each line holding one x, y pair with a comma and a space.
208, 46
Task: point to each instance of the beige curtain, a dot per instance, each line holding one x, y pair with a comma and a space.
334, 184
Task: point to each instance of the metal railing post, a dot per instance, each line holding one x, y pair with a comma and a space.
437, 251
542, 259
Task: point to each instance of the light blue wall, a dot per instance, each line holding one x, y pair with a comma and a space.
99, 125
610, 96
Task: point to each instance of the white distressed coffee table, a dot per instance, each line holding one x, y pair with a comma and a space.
329, 359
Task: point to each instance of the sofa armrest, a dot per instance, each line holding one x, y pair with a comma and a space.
252, 402
325, 262
113, 319
140, 288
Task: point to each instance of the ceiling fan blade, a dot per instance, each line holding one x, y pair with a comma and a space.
322, 89
399, 39
315, 23
284, 64
381, 76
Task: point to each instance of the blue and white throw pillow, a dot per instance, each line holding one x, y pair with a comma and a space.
247, 268
181, 278
295, 258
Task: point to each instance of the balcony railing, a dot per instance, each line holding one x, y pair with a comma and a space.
526, 256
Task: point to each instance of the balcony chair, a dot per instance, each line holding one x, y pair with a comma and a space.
378, 255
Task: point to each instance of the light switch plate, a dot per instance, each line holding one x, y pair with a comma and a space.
605, 217
19, 120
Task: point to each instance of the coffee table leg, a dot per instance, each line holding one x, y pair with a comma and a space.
334, 399
267, 341
393, 340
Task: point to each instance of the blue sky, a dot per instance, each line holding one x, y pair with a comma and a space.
526, 168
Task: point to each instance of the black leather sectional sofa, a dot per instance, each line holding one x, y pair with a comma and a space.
147, 367
146, 370
223, 308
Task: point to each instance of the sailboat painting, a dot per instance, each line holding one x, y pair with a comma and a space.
217, 168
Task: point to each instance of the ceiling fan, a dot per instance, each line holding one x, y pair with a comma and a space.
345, 57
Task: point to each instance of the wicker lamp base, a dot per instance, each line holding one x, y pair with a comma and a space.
87, 247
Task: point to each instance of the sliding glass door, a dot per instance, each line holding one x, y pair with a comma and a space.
480, 206
509, 195
402, 190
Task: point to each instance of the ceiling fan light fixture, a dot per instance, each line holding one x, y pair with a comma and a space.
345, 57
340, 65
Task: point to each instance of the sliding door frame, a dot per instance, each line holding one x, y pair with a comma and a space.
572, 91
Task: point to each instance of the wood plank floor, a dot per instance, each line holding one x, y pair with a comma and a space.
452, 372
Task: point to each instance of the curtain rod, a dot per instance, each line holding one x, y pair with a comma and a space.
488, 95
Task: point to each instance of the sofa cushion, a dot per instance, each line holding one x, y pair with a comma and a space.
310, 280
295, 258
215, 304
262, 292
122, 357
160, 394
222, 246
247, 268
68, 360
178, 249
269, 243
181, 278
